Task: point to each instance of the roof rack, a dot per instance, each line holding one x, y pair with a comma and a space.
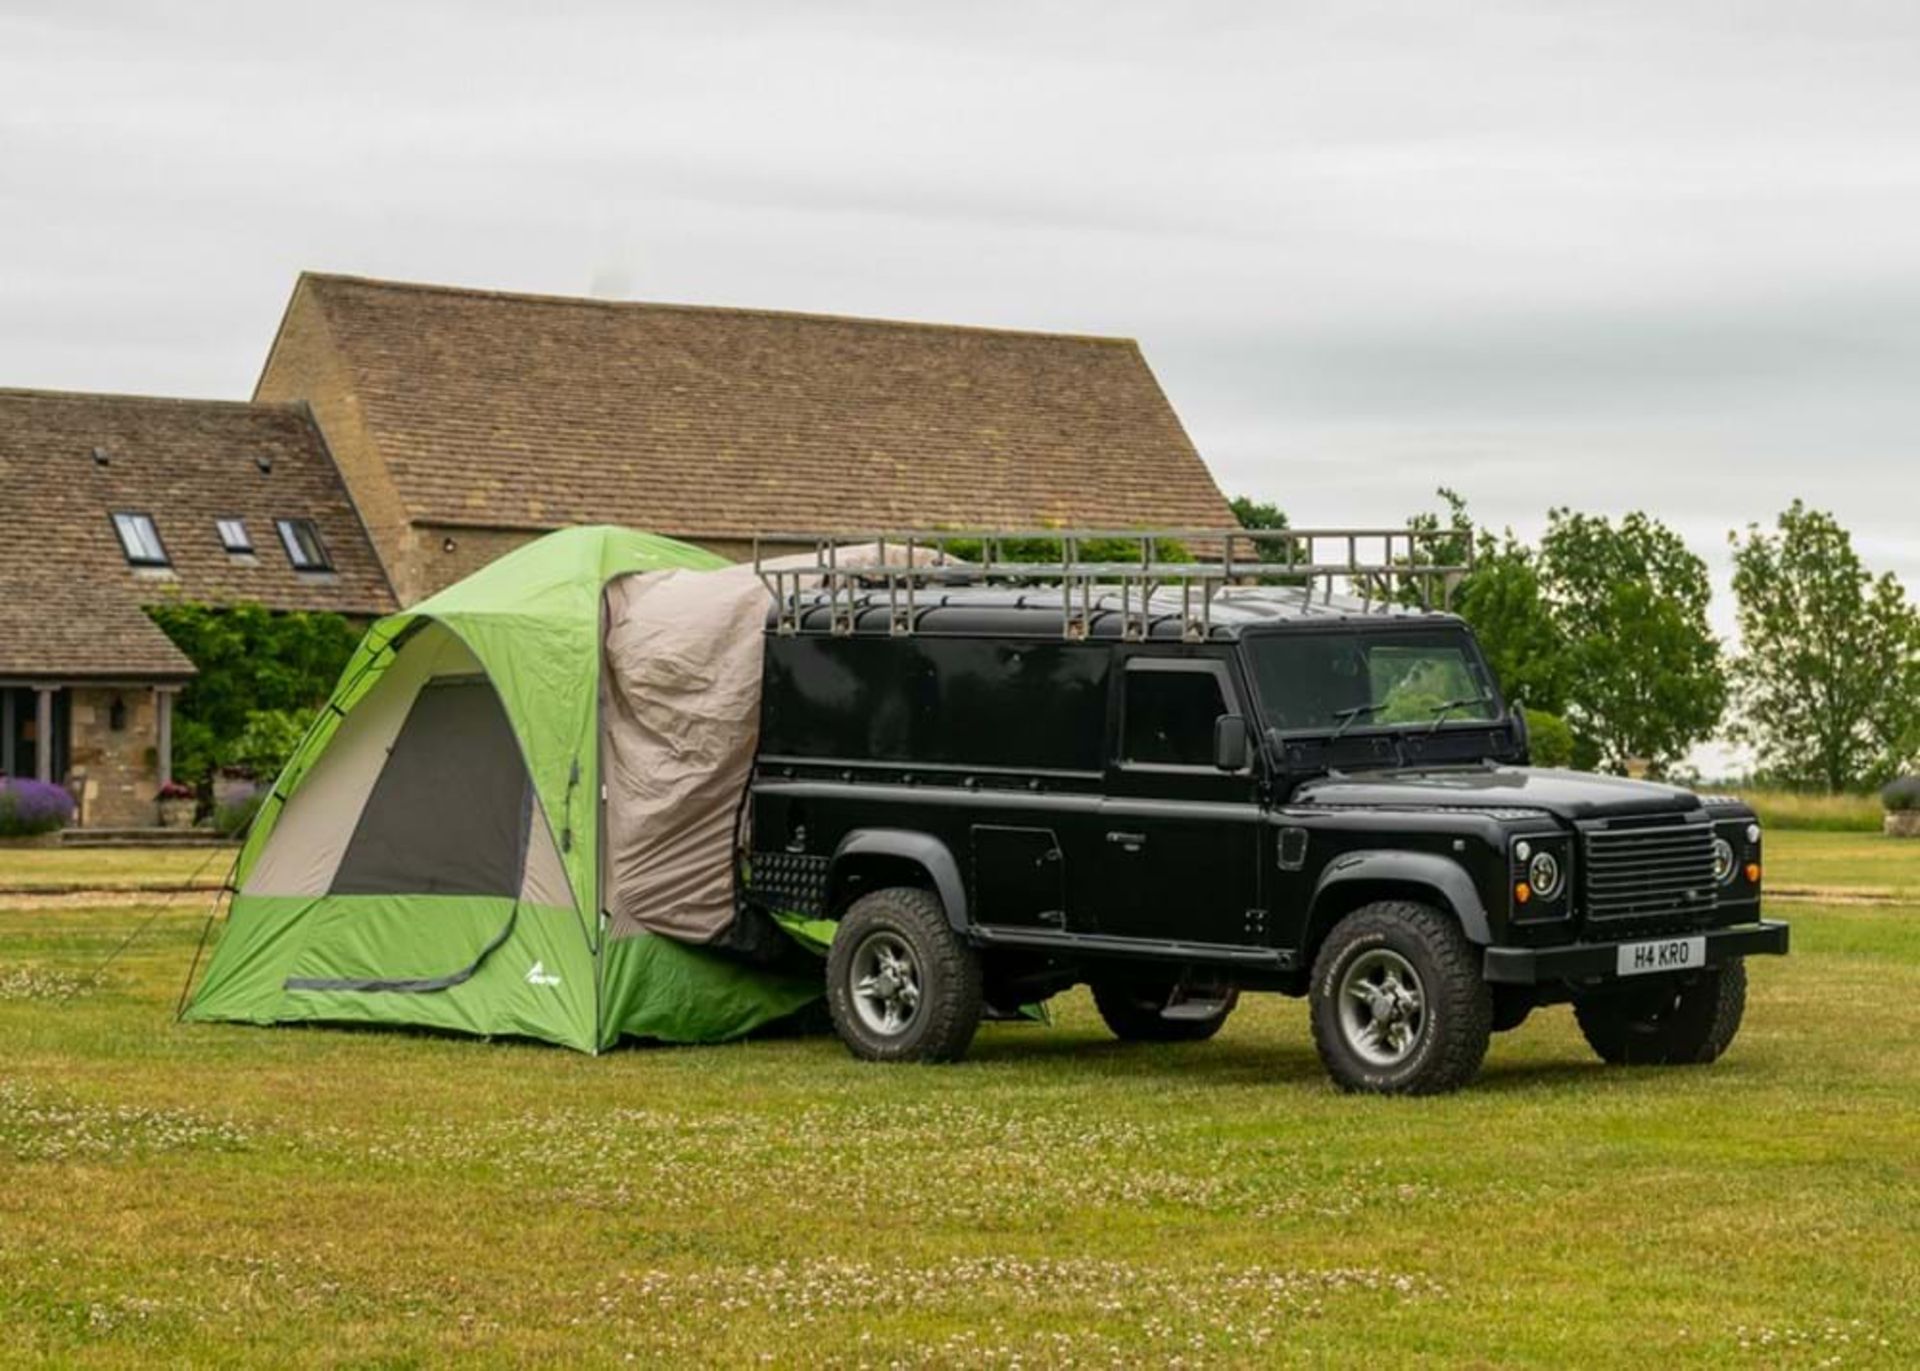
1380, 564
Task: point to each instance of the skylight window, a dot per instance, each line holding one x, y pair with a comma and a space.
304, 548
140, 540
233, 535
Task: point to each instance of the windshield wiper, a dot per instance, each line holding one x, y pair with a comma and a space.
1440, 711
1347, 717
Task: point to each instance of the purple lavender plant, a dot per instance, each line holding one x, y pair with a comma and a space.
30, 807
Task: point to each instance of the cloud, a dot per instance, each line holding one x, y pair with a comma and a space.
1608, 255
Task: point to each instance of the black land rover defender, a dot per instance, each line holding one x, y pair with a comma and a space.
1174, 787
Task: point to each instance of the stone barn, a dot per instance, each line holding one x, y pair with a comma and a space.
114, 503
467, 422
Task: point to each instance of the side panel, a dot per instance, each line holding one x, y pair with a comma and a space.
1018, 877
936, 739
800, 821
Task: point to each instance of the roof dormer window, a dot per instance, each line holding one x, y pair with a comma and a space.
234, 536
140, 540
304, 548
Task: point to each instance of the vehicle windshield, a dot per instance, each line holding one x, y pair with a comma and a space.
1386, 678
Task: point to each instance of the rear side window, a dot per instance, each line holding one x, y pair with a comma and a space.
1020, 704
1167, 717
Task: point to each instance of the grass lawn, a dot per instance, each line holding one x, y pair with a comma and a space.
214, 1194
112, 868
1846, 863
1782, 809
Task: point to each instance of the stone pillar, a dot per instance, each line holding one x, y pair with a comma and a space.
43, 733
163, 748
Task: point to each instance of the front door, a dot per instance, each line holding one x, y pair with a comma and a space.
1181, 839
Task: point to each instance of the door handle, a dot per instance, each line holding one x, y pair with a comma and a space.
1132, 842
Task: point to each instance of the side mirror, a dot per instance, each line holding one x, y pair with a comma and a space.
1522, 735
1231, 749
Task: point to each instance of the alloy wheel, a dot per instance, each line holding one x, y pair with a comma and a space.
886, 983
1383, 1007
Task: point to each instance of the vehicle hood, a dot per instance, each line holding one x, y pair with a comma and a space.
1567, 794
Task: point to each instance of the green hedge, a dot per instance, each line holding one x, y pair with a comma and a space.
262, 675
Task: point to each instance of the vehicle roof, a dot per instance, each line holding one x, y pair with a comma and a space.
1039, 612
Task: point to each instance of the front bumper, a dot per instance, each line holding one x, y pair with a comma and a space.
1600, 961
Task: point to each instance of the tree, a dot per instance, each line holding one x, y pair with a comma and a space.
1451, 550
1507, 605
1645, 676
1253, 514
1120, 548
1551, 741
1259, 516
251, 661
1504, 602
1828, 677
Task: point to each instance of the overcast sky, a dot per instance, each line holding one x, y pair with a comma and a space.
1611, 255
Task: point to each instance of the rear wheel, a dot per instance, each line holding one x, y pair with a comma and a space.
1157, 1012
1398, 1003
1669, 1022
901, 986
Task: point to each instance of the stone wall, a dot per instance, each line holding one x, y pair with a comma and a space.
113, 773
305, 365
436, 556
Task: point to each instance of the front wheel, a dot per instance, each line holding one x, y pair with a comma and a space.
1668, 1022
901, 985
1399, 1006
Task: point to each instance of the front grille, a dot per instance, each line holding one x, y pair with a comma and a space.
1656, 871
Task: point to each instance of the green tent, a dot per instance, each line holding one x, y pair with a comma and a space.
436, 853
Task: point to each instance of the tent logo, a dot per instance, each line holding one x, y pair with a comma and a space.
537, 974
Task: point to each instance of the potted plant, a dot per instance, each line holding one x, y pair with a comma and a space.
177, 805
32, 813
1902, 801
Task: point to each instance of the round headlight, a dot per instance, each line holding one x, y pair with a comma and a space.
1722, 860
1543, 874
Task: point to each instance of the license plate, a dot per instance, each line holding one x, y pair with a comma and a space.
1665, 954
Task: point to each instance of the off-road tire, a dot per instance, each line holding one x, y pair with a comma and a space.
949, 1007
1670, 1022
1458, 1005
1132, 1011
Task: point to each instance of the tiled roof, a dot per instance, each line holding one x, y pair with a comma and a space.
70, 604
533, 411
79, 630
